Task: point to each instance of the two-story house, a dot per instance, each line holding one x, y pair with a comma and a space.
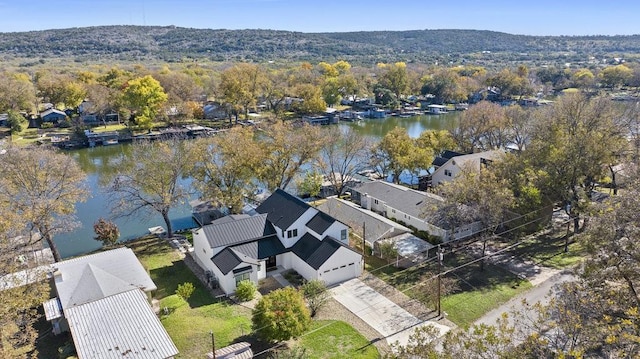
286, 233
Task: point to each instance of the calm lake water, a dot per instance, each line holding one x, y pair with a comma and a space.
99, 162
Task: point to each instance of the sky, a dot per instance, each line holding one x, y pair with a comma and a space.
541, 17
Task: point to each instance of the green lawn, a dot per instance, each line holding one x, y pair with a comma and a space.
336, 339
548, 250
189, 324
480, 292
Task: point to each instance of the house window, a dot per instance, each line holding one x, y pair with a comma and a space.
343, 235
242, 276
447, 173
375, 201
292, 233
393, 211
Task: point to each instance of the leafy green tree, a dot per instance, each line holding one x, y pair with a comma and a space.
397, 152
310, 184
148, 181
241, 85
281, 315
571, 144
316, 295
42, 186
583, 78
395, 78
144, 96
615, 76
16, 121
245, 290
185, 290
510, 83
106, 231
388, 251
312, 100
446, 85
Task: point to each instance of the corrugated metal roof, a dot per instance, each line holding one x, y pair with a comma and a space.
240, 350
283, 208
439, 161
119, 327
109, 271
262, 248
227, 231
320, 222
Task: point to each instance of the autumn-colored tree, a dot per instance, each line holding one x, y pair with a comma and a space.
281, 315
511, 83
145, 97
43, 187
106, 231
284, 150
615, 76
312, 100
393, 153
483, 127
16, 92
316, 294
225, 167
240, 86
394, 77
583, 78
148, 181
572, 143
446, 85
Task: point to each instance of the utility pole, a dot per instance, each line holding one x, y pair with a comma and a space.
440, 258
364, 245
213, 345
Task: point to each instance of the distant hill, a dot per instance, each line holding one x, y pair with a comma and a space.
174, 43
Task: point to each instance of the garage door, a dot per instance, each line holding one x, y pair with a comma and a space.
338, 274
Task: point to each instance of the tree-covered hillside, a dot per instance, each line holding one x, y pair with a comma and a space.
174, 43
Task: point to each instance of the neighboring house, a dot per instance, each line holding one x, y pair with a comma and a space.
286, 233
103, 300
449, 164
213, 110
409, 206
377, 227
327, 189
53, 115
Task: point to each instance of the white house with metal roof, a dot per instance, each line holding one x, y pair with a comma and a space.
286, 233
450, 164
406, 205
102, 299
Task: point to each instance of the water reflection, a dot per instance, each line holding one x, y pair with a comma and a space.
101, 163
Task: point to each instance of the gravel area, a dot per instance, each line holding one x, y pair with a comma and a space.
336, 311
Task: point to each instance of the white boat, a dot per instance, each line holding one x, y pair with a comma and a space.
158, 230
111, 141
436, 109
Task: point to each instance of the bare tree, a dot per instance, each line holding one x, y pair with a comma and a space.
43, 187
149, 179
344, 154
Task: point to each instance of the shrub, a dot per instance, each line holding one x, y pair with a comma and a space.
281, 315
185, 290
245, 290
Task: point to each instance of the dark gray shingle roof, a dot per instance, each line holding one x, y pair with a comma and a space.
228, 231
320, 222
282, 209
313, 251
409, 201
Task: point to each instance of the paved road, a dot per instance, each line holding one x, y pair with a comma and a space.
538, 293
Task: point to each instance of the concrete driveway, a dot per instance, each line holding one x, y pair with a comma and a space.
386, 317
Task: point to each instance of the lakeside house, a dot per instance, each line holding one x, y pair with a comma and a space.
286, 233
103, 300
449, 164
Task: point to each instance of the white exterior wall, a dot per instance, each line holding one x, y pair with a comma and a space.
439, 176
302, 267
284, 260
299, 224
418, 223
332, 272
203, 252
335, 231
